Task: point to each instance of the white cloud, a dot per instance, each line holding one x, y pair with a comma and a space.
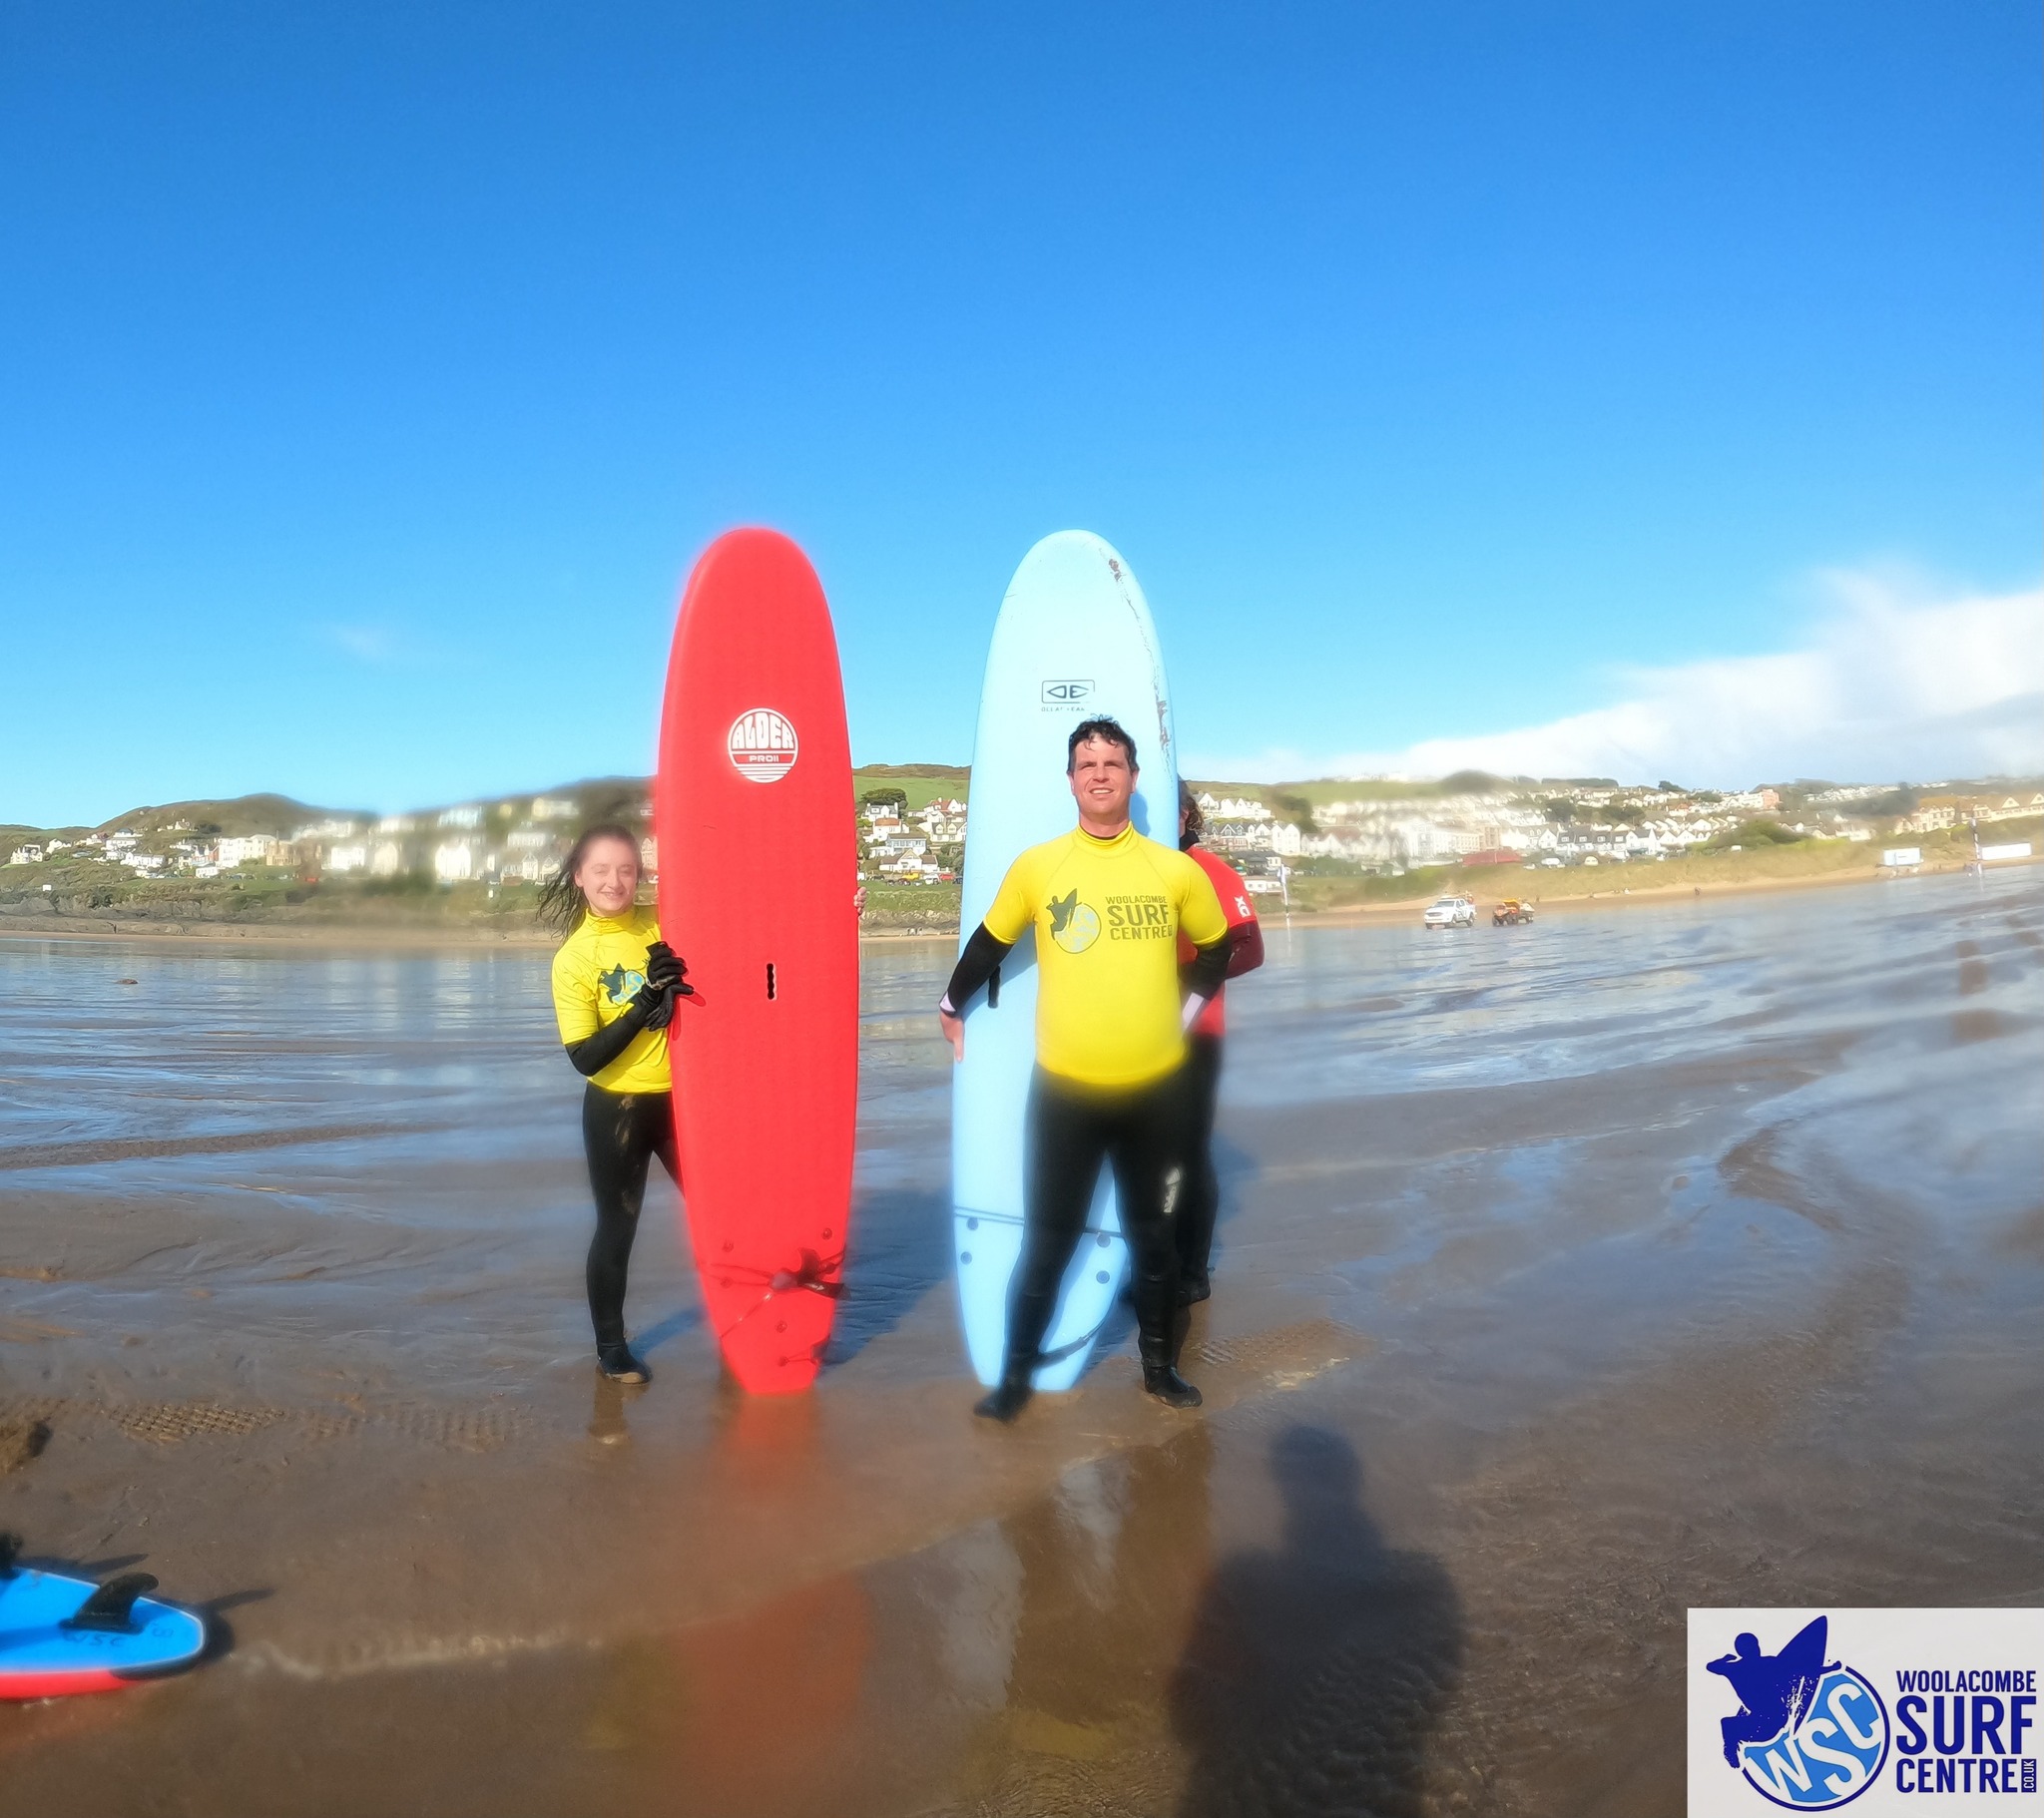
1892, 684
365, 643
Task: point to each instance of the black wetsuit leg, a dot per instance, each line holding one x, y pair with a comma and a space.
621, 1133
1064, 1144
1149, 1152
1070, 1131
1200, 1203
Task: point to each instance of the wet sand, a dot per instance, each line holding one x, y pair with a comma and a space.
1570, 1275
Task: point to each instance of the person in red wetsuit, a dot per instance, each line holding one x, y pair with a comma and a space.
1199, 1200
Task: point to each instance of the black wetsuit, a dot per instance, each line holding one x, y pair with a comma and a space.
621, 1133
1200, 1202
1071, 1128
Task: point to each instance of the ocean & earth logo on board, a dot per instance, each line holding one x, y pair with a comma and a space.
1913, 1702
1067, 693
761, 745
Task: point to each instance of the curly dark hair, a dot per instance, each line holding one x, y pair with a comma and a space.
1103, 728
1188, 810
560, 904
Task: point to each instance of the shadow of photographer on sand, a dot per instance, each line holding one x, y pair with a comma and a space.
1314, 1675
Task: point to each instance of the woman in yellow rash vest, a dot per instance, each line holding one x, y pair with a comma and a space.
616, 982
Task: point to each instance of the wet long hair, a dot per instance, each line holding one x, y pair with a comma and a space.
1196, 822
560, 904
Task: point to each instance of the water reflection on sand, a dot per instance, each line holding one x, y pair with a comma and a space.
1570, 1275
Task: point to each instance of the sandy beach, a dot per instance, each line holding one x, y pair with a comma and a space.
1570, 1276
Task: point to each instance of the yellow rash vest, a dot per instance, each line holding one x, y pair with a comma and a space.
596, 973
1107, 915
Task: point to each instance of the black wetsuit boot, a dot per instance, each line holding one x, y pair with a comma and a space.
1161, 1377
1007, 1400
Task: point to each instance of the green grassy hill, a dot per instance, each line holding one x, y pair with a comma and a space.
241, 814
922, 783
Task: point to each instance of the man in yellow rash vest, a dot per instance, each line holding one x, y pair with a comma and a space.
1112, 1011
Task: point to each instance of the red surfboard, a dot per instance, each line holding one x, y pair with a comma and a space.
757, 864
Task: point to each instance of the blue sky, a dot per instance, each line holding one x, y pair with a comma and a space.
375, 374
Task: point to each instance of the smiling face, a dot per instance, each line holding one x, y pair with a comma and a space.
607, 876
1103, 780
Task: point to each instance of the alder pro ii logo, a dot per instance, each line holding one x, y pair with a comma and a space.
761, 745
1879, 1707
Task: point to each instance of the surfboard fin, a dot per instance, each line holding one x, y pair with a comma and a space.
112, 1608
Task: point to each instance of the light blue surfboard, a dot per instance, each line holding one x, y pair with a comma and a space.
1074, 640
62, 1635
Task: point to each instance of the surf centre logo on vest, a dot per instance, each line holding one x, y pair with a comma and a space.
1808, 1733
761, 745
1073, 925
1067, 693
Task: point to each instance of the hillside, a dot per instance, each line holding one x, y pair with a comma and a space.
921, 784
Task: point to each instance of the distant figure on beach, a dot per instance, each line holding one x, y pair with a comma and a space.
1200, 1204
1111, 1081
616, 984
1774, 1689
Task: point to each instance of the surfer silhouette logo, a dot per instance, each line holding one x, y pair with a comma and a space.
1074, 925
762, 745
620, 984
1809, 1734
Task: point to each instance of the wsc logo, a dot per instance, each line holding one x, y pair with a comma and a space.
1066, 693
1808, 1735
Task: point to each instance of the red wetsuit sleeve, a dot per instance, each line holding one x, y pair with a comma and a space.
1244, 933
1244, 947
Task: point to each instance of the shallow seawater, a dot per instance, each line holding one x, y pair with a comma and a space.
1569, 1276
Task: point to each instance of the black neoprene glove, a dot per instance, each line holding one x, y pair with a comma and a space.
664, 968
1203, 973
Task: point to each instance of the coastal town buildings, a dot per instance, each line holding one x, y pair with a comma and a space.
1382, 829
926, 846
